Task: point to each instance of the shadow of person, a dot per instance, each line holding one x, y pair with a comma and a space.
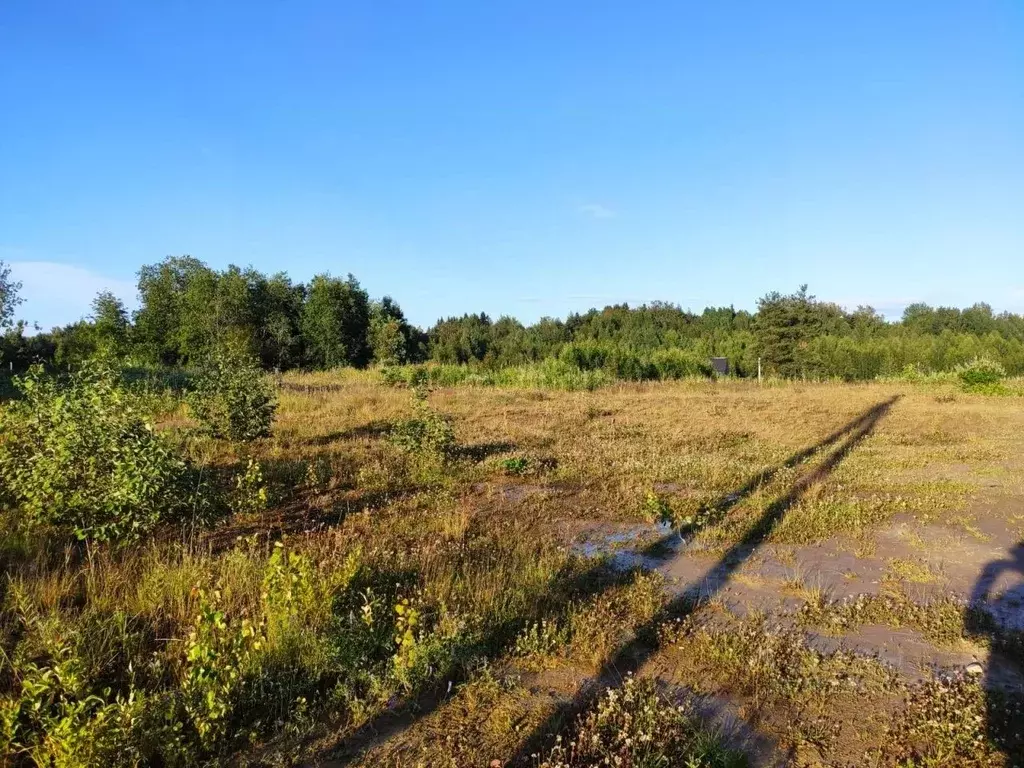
996, 613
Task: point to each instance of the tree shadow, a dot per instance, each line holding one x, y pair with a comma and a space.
481, 451
598, 579
996, 613
374, 429
310, 389
632, 656
297, 518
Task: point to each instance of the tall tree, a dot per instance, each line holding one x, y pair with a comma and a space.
784, 327
9, 298
336, 322
110, 324
168, 327
390, 333
279, 319
461, 339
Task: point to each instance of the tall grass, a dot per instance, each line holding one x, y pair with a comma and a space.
547, 374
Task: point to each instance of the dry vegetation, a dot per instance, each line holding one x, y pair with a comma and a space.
783, 573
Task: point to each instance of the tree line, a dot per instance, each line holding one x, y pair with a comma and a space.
187, 310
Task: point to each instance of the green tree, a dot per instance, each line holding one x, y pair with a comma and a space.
391, 336
79, 452
336, 322
19, 351
233, 397
279, 319
110, 325
169, 327
9, 298
231, 317
74, 343
461, 339
785, 326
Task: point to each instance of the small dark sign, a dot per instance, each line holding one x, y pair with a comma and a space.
720, 365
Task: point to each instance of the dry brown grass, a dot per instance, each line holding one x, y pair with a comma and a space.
490, 553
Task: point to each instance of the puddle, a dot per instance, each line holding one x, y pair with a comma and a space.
905, 650
645, 546
1007, 610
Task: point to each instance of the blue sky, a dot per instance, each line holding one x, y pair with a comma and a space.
524, 158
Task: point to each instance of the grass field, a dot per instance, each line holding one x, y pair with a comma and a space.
712, 572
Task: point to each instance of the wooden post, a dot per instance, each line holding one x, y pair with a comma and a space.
759, 370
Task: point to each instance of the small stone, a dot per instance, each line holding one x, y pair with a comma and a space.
974, 668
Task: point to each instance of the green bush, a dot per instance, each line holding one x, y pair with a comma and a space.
980, 374
629, 366
392, 376
234, 398
677, 363
250, 496
516, 465
217, 652
658, 509
550, 374
78, 452
427, 431
585, 355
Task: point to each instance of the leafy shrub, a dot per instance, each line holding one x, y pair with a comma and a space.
392, 376
426, 432
627, 365
318, 474
910, 373
288, 582
658, 509
516, 465
216, 654
233, 397
78, 452
980, 375
55, 719
250, 489
585, 355
677, 363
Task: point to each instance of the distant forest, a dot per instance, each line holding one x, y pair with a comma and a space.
187, 309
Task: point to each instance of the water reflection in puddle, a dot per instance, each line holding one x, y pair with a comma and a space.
645, 546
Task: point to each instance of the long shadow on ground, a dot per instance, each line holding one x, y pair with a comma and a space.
634, 654
597, 580
996, 612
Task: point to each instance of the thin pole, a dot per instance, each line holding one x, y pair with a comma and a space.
759, 370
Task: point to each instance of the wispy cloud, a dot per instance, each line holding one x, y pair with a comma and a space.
596, 211
56, 293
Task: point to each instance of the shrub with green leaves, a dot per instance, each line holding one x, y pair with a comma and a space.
677, 363
78, 452
658, 509
426, 432
234, 398
217, 654
515, 465
981, 374
250, 494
